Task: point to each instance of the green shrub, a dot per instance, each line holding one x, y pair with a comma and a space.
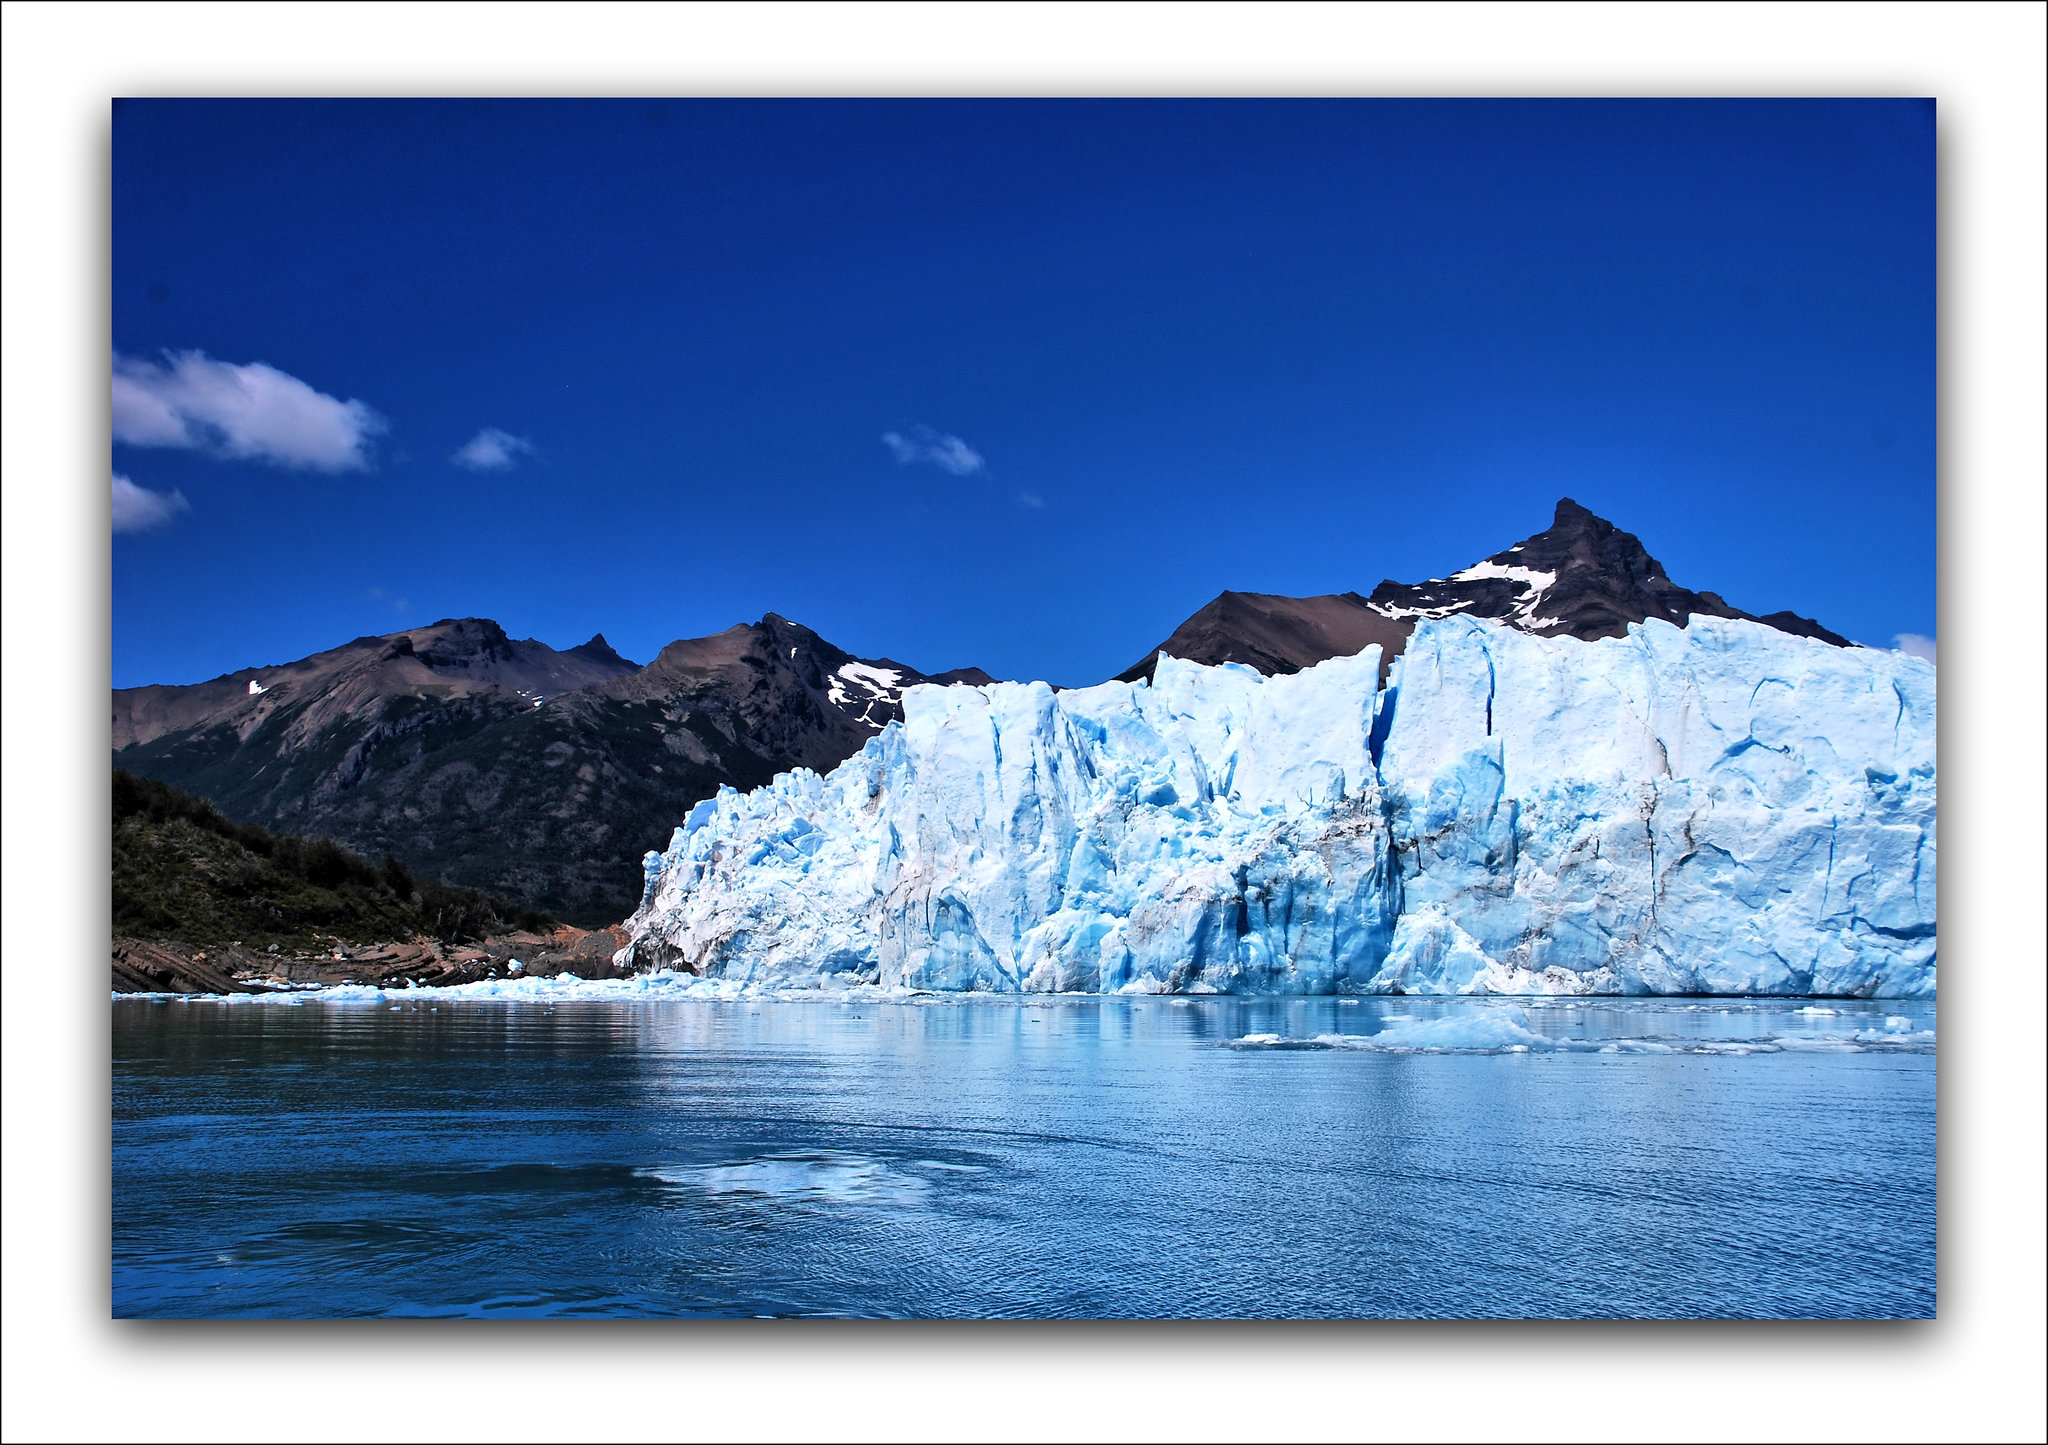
183, 871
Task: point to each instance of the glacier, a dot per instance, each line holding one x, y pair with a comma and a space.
1720, 808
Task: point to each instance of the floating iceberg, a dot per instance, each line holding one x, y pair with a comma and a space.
1721, 808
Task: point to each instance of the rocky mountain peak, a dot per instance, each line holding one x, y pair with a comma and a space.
793, 640
461, 642
1579, 539
598, 650
1582, 577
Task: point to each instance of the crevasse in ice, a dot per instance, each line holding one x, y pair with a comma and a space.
1719, 808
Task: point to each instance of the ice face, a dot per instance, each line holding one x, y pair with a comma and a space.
1722, 808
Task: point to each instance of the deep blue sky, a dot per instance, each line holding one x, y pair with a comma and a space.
1284, 347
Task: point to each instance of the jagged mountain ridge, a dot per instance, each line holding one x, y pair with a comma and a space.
507, 765
1582, 577
455, 657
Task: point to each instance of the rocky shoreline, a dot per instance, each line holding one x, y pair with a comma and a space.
154, 966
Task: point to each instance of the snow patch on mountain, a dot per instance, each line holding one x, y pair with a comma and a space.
863, 685
1533, 583
1393, 609
1480, 571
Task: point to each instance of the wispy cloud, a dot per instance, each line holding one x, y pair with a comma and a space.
924, 444
138, 509
253, 412
1914, 645
491, 450
1030, 499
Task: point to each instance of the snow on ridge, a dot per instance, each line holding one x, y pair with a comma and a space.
1483, 571
1719, 808
877, 680
1449, 609
1534, 585
877, 684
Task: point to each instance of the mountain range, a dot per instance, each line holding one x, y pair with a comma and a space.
505, 765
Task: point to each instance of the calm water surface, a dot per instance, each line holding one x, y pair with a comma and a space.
1068, 1157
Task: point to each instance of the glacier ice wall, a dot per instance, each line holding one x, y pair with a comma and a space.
1721, 808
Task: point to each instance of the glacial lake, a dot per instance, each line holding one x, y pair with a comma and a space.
584, 1152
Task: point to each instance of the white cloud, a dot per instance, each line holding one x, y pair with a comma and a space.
137, 509
947, 453
1032, 500
491, 450
1914, 645
253, 412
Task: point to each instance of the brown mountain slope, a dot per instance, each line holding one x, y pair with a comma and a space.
454, 658
1277, 635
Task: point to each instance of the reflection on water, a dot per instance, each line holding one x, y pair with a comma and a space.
1065, 1156
824, 1178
